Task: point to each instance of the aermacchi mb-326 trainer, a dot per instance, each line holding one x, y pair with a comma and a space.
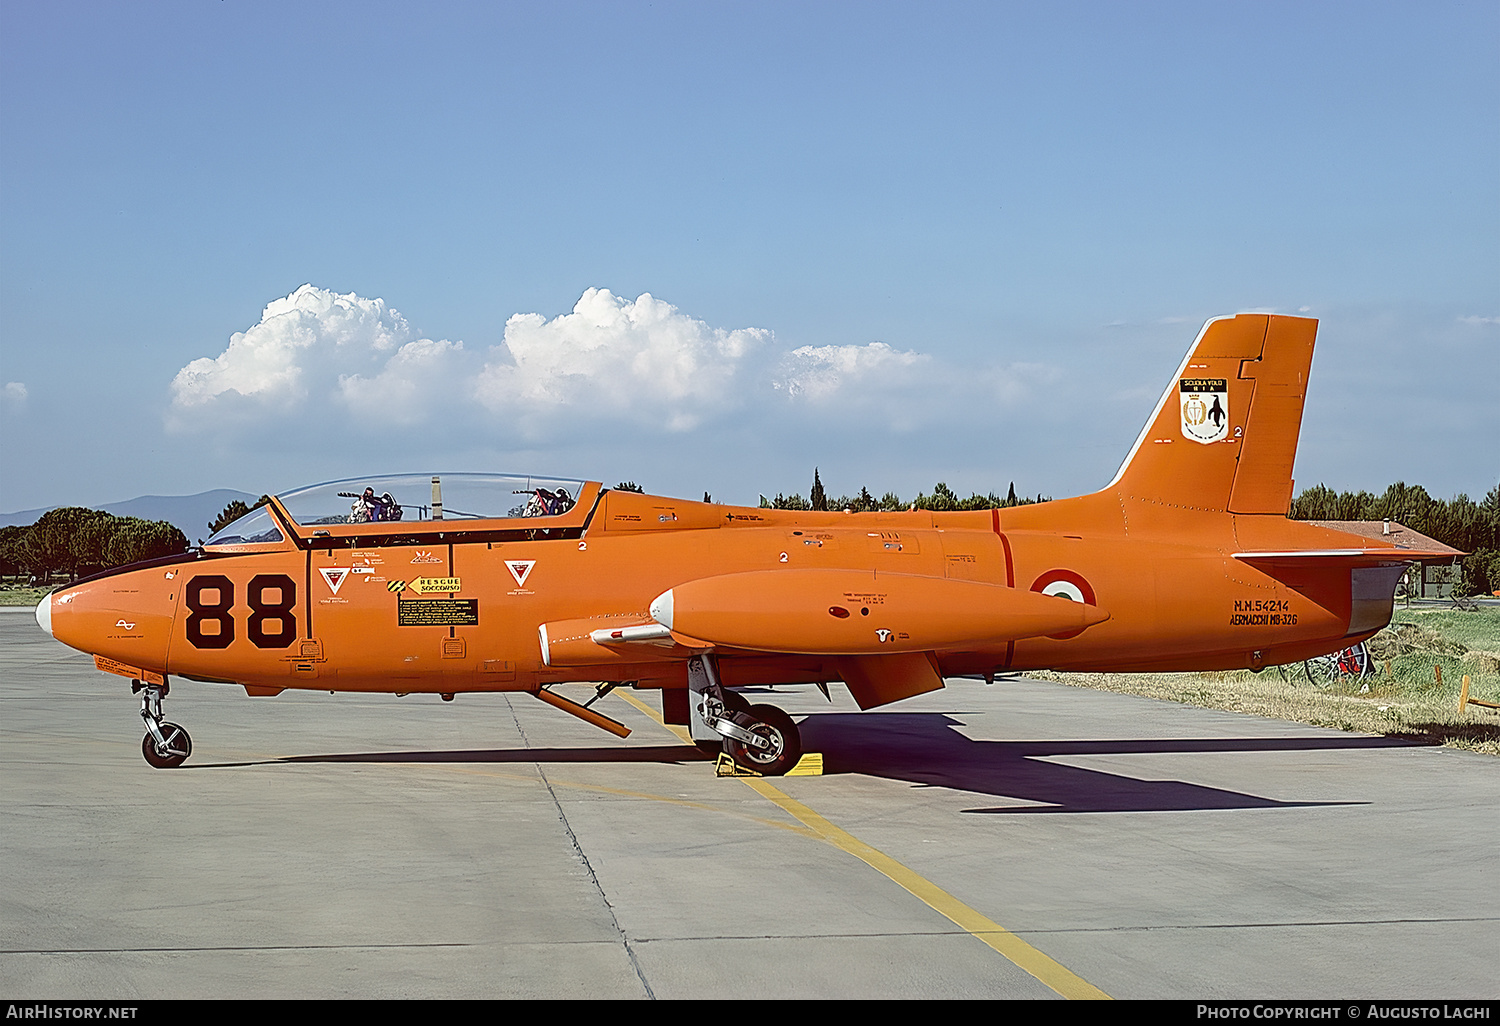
460, 583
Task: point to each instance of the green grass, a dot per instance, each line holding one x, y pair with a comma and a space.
1407, 701
13, 596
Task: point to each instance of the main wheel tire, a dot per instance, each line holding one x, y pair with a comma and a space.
179, 745
1352, 663
777, 728
1322, 670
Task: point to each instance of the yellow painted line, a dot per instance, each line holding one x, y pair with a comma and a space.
1044, 968
681, 732
1028, 958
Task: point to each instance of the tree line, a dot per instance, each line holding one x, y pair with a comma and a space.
76, 542
233, 512
1473, 527
942, 499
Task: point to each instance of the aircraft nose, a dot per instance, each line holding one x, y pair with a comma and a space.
44, 613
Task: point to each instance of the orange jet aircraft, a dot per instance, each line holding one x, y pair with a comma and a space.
460, 583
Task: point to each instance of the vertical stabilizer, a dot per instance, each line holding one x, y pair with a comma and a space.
1224, 436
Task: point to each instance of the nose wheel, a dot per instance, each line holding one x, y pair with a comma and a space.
170, 752
166, 745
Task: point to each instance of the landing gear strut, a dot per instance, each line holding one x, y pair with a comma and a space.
166, 745
757, 737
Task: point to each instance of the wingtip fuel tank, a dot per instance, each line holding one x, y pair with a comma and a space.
862, 612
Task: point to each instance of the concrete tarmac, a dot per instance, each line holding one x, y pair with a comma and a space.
322, 845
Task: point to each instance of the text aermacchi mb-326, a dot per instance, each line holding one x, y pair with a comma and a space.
463, 583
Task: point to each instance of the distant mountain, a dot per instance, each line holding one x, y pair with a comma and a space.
191, 513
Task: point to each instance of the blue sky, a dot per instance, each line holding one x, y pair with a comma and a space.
902, 243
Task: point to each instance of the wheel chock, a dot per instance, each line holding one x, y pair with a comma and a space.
727, 767
810, 765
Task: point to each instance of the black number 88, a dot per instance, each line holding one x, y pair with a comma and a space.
218, 611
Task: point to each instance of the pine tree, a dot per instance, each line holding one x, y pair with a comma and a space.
230, 514
819, 498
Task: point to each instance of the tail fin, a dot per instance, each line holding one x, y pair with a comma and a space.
1224, 435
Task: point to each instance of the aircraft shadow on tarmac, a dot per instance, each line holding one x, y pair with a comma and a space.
926, 750
652, 753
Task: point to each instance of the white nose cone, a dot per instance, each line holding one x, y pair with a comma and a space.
661, 609
44, 613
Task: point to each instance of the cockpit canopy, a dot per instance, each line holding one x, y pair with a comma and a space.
409, 498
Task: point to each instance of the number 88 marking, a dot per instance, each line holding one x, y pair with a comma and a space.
216, 612
280, 611
219, 611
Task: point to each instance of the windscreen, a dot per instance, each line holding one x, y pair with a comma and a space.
424, 498
256, 526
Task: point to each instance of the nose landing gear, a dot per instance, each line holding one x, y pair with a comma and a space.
166, 745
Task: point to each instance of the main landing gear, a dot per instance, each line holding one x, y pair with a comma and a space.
166, 745
757, 737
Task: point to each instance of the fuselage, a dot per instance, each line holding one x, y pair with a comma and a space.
456, 606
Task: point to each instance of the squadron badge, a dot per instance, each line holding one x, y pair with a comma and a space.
1205, 409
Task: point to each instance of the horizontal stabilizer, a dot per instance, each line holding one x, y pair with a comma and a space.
1331, 558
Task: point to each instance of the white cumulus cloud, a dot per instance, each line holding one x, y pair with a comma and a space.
301, 345
409, 385
1017, 382
820, 372
13, 395
347, 366
642, 357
